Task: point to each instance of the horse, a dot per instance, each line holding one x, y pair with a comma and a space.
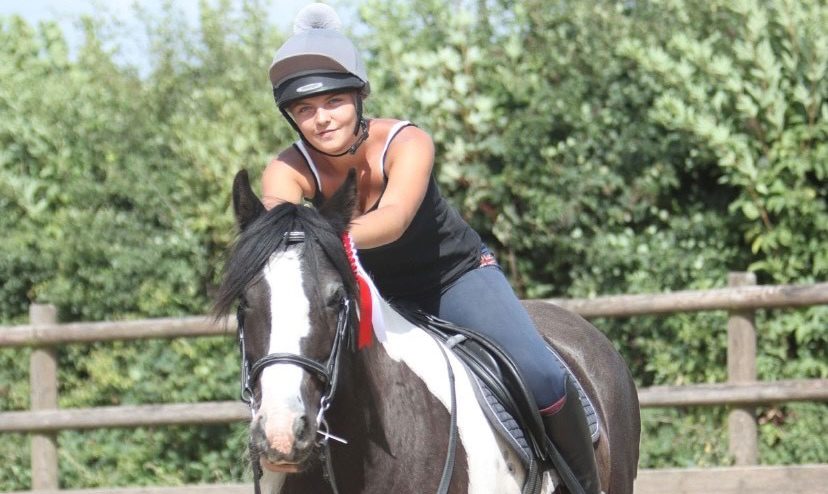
400, 414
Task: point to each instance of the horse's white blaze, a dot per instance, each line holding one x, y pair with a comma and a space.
290, 322
493, 466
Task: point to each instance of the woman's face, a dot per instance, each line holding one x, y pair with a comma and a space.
327, 121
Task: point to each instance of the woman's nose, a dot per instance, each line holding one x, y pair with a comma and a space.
323, 116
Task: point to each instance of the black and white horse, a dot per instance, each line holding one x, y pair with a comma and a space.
395, 402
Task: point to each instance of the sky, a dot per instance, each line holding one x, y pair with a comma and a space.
37, 10
65, 11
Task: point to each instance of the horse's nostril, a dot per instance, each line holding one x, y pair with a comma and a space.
300, 428
257, 434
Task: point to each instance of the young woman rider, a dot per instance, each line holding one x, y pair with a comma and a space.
415, 246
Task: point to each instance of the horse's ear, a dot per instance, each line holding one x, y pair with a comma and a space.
246, 205
339, 209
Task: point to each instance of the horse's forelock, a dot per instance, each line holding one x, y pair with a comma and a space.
260, 239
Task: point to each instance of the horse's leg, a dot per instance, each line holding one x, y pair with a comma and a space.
607, 380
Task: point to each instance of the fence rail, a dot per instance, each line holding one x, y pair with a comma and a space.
742, 392
222, 412
734, 298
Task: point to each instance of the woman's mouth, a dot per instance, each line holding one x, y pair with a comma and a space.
326, 132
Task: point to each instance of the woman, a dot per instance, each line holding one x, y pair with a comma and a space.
416, 247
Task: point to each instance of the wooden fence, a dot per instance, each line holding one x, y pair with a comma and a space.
742, 392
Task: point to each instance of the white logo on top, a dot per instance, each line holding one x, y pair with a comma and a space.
309, 87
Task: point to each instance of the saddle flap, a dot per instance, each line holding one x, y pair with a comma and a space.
502, 420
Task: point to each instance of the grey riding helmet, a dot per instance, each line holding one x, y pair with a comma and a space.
318, 59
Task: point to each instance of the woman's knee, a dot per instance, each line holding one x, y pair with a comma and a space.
547, 382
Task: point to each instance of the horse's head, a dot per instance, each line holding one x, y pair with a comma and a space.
291, 278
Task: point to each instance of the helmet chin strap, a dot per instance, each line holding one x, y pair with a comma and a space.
361, 132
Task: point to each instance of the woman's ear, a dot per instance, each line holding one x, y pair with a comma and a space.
339, 208
246, 205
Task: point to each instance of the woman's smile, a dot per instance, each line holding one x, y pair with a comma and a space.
326, 133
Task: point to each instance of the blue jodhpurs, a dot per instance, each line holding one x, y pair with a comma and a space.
482, 300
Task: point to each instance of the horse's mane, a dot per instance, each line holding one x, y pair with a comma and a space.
260, 239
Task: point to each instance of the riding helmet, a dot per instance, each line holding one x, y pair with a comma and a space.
318, 58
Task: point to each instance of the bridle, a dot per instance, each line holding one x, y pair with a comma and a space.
327, 373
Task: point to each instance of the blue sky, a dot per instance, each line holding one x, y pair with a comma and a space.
66, 11
282, 11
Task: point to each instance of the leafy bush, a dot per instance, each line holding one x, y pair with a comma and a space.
599, 147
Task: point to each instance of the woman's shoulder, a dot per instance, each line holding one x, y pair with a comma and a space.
381, 129
289, 166
288, 158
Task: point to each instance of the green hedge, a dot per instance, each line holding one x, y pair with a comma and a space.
600, 147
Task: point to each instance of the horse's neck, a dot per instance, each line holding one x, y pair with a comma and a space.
405, 369
402, 353
381, 405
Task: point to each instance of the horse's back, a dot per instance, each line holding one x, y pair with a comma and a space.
607, 380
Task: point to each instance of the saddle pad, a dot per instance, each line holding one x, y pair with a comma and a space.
509, 429
502, 421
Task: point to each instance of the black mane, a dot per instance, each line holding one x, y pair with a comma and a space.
261, 238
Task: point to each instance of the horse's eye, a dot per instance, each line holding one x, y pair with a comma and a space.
335, 298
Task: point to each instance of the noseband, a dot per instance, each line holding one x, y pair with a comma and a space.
327, 373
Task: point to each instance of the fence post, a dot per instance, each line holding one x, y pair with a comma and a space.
741, 367
43, 391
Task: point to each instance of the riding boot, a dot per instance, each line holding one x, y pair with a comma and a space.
569, 432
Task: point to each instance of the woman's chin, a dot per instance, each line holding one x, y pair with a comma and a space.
331, 143
330, 147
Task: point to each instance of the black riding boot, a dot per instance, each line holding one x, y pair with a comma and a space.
569, 432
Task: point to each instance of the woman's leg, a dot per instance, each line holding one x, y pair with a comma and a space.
482, 300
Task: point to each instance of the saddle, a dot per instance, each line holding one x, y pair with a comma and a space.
504, 397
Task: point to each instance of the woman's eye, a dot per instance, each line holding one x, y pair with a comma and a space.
301, 110
337, 101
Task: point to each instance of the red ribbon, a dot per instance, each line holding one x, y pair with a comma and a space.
364, 334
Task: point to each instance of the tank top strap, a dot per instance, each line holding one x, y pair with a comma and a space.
300, 146
391, 134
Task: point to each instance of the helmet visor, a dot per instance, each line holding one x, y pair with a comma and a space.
314, 84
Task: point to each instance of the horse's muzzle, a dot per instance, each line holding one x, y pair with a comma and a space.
281, 467
284, 439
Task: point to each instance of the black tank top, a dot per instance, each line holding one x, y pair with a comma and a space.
434, 251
